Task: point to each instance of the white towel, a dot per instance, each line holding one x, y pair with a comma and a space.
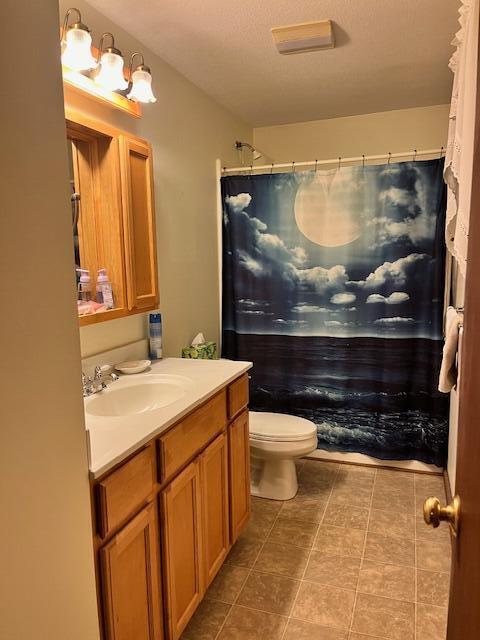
448, 370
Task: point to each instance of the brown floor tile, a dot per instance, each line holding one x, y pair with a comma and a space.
315, 491
351, 481
343, 515
244, 552
393, 500
387, 580
264, 505
400, 480
299, 464
246, 624
319, 469
311, 478
350, 471
433, 587
336, 571
385, 523
359, 496
266, 592
227, 584
431, 622
419, 500
304, 508
426, 532
433, 556
338, 541
300, 630
299, 533
282, 559
259, 524
206, 621
384, 617
390, 550
324, 605
427, 485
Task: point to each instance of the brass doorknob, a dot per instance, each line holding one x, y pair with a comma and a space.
434, 513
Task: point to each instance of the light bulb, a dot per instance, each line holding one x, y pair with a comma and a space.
110, 75
141, 90
77, 54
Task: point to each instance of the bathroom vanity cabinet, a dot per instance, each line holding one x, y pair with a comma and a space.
166, 518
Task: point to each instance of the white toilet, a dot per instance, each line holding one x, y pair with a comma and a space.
276, 440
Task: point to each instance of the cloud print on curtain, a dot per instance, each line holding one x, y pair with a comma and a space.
333, 287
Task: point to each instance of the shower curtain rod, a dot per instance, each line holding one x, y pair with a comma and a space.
316, 163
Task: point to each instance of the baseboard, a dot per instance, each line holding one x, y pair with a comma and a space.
448, 486
362, 459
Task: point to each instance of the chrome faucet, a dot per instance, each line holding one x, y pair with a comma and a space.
99, 380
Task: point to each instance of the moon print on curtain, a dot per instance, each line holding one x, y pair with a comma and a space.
333, 287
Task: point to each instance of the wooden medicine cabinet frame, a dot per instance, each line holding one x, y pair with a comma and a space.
113, 173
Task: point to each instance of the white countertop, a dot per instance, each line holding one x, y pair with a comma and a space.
112, 439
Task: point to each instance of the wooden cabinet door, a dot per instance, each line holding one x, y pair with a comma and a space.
239, 458
131, 581
182, 528
139, 224
214, 479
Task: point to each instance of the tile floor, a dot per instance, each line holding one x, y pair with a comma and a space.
349, 558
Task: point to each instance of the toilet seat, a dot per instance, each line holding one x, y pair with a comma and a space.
279, 427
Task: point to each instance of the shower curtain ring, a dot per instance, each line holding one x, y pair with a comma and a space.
316, 163
293, 166
389, 157
271, 169
339, 161
251, 170
363, 161
414, 155
441, 152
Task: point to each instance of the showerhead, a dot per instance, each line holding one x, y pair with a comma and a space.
256, 155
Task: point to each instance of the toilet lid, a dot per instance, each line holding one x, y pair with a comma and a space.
279, 427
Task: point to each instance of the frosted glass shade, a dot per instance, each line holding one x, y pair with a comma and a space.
141, 90
110, 75
77, 54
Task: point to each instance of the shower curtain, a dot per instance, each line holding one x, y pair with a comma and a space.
333, 287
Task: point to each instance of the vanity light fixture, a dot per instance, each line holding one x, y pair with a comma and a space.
140, 82
110, 75
100, 72
77, 41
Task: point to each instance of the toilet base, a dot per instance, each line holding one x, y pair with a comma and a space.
273, 478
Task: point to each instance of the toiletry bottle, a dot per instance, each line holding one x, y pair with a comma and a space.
155, 334
104, 289
84, 286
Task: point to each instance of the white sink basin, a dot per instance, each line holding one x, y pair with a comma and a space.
137, 394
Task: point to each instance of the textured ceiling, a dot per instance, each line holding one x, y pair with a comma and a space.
390, 54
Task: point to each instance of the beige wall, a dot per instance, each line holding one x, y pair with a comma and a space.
188, 131
370, 134
47, 582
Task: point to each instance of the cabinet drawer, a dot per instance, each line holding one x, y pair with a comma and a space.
237, 396
124, 490
192, 434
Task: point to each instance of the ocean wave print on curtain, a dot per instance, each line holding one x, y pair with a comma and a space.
333, 287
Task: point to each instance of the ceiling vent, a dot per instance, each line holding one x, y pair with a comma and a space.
307, 36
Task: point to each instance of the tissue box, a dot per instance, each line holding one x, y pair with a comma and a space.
204, 351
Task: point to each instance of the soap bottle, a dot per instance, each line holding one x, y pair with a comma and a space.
155, 335
104, 289
84, 286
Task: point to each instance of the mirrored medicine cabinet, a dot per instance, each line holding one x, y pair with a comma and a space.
113, 220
